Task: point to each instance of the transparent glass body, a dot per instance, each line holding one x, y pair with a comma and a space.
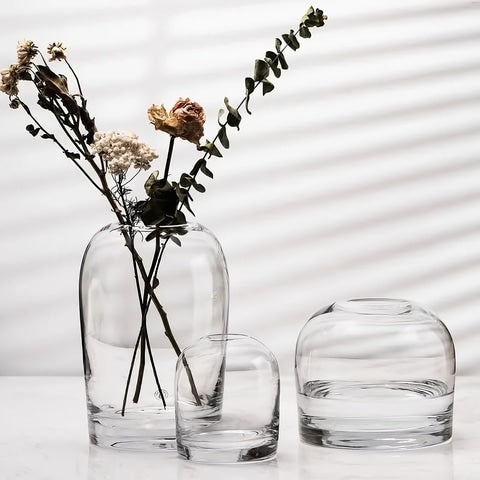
141, 303
233, 416
375, 373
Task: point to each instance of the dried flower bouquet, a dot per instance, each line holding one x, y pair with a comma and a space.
110, 160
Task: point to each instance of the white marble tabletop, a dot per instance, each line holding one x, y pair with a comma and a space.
43, 436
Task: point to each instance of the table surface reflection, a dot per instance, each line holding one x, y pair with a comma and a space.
44, 436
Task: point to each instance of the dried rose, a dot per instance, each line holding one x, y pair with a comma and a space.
185, 120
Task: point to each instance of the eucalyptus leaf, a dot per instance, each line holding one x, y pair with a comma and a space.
221, 113
186, 202
291, 40
214, 151
196, 168
185, 180
233, 118
182, 193
272, 56
233, 111
205, 170
222, 136
314, 18
175, 240
304, 32
249, 87
151, 236
249, 84
211, 149
278, 45
308, 15
267, 86
199, 187
261, 70
276, 71
283, 62
272, 59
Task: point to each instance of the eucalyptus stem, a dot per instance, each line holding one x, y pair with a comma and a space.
313, 18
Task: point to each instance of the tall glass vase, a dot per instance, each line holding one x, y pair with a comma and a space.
145, 294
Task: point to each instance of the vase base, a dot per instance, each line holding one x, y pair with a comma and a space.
234, 446
377, 440
375, 415
138, 444
142, 429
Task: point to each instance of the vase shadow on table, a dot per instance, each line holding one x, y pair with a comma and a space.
108, 464
335, 464
200, 471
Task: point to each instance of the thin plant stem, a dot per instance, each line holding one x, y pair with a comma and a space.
144, 304
130, 371
152, 361
141, 368
169, 157
64, 150
191, 380
78, 82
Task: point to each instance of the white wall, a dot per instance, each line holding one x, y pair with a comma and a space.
358, 176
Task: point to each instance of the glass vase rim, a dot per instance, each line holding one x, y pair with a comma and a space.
375, 306
227, 337
224, 338
151, 228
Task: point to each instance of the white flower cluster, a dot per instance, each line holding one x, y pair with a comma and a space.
122, 150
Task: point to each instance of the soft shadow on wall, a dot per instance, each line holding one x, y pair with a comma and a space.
358, 176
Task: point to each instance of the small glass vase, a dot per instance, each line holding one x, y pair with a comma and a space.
375, 374
233, 415
145, 294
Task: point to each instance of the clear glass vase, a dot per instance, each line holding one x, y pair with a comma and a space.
233, 415
375, 373
145, 294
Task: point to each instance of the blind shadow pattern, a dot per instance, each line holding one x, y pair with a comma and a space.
358, 176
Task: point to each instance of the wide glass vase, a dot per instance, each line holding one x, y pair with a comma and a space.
145, 295
375, 373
